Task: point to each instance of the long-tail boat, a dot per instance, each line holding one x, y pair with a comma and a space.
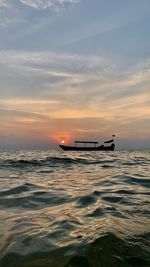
89, 146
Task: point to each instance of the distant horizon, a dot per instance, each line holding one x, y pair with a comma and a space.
74, 68
119, 145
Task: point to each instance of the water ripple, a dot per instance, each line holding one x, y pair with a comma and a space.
75, 209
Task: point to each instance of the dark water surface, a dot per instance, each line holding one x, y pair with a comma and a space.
74, 209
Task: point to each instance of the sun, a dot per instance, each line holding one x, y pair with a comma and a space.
61, 140
64, 139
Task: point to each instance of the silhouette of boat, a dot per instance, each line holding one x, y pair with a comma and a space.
89, 146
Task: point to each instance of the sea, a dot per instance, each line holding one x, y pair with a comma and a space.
74, 209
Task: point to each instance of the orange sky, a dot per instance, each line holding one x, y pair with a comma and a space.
77, 69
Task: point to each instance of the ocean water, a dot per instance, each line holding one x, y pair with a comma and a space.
74, 209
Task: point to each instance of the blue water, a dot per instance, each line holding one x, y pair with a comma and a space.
74, 209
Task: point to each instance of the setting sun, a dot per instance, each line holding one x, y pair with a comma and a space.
61, 140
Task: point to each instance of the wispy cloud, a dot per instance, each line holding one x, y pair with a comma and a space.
52, 61
4, 3
53, 74
43, 4
65, 65
62, 67
11, 12
8, 13
84, 86
39, 4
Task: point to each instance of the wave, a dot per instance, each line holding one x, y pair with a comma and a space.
53, 161
107, 250
106, 161
71, 209
47, 161
19, 189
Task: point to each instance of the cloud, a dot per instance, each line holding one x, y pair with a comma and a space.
39, 4
56, 67
11, 12
8, 13
4, 3
66, 75
51, 61
72, 86
43, 4
54, 75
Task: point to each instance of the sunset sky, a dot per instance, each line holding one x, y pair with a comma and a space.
74, 68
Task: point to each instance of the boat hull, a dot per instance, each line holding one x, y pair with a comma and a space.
81, 148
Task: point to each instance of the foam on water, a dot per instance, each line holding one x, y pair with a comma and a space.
74, 209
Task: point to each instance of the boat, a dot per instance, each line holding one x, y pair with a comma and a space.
88, 146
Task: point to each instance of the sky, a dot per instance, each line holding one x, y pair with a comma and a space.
77, 69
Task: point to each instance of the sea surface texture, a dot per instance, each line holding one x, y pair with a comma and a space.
74, 209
